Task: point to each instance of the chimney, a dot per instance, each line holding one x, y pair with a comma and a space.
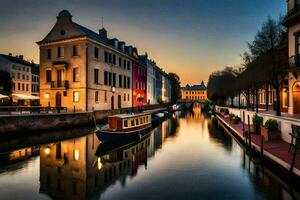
64, 14
10, 54
21, 57
122, 46
103, 33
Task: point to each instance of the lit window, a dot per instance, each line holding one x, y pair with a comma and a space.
75, 97
76, 154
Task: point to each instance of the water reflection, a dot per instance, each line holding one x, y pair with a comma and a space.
187, 156
83, 167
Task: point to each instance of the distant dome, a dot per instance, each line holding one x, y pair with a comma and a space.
64, 13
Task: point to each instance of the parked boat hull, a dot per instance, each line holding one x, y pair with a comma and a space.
106, 135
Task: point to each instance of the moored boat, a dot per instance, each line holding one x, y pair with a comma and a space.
125, 126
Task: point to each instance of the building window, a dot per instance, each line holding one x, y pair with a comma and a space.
114, 80
128, 97
23, 76
96, 76
49, 53
124, 64
105, 78
23, 87
96, 96
18, 76
27, 87
120, 80
76, 97
96, 52
76, 154
105, 96
124, 82
120, 62
106, 56
128, 65
27, 69
109, 78
125, 123
19, 86
128, 82
13, 75
114, 59
109, 58
27, 77
48, 76
75, 74
60, 52
124, 98
75, 50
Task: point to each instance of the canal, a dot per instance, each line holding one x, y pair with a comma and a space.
187, 157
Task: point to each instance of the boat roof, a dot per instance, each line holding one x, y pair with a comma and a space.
129, 115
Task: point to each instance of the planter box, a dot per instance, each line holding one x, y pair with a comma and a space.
257, 129
275, 135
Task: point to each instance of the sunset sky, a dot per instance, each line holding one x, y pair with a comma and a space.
189, 37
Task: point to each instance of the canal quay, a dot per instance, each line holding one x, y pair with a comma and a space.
188, 156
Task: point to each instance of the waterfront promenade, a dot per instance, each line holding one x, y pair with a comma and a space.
275, 151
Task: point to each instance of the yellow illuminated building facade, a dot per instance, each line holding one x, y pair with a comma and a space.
195, 92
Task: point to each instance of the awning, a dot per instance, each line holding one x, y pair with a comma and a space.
24, 96
3, 96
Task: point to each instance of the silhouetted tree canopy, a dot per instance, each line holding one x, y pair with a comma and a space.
5, 83
175, 87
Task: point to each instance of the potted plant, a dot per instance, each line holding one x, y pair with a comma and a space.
270, 130
257, 122
231, 115
235, 119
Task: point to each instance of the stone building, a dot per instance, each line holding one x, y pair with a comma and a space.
25, 78
195, 92
84, 70
292, 22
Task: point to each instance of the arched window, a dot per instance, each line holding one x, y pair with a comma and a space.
96, 97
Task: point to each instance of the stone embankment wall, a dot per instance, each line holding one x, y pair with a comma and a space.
28, 123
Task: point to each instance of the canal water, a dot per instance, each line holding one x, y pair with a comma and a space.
187, 157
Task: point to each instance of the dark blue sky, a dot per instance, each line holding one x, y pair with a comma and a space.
190, 37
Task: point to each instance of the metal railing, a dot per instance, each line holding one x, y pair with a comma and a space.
60, 84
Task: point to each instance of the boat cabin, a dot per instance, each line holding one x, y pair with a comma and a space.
129, 122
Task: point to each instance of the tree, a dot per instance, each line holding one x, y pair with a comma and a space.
175, 87
269, 44
5, 83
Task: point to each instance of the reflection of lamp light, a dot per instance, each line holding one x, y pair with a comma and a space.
76, 154
99, 163
47, 151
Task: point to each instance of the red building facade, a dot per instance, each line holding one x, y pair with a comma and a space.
139, 81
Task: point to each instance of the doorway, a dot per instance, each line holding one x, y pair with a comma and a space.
58, 100
296, 97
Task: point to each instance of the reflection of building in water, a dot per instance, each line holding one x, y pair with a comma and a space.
18, 155
71, 170
66, 166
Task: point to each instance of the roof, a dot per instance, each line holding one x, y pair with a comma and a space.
129, 115
15, 59
194, 87
93, 35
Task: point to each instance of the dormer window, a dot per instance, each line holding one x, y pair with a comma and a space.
62, 32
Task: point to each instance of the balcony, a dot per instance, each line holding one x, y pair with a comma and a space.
60, 84
292, 16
